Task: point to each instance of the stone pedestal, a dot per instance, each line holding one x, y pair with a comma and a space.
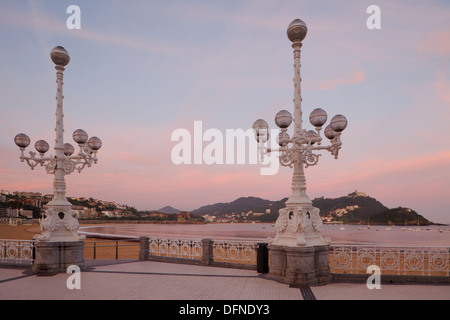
277, 266
322, 264
53, 257
299, 266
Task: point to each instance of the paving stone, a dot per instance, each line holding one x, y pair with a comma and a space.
150, 280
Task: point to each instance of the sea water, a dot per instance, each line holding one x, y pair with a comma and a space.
338, 234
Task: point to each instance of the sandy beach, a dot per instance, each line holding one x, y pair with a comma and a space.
19, 232
105, 249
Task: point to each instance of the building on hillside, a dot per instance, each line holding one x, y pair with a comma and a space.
339, 212
88, 213
209, 218
35, 202
16, 213
48, 197
357, 193
183, 215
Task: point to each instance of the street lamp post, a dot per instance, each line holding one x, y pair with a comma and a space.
298, 227
59, 225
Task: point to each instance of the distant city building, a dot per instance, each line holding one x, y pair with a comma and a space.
183, 216
87, 213
356, 193
15, 213
27, 194
209, 218
40, 201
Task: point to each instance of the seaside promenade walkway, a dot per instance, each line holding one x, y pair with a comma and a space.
149, 280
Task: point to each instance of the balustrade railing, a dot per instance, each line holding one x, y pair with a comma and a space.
240, 252
176, 248
411, 261
200, 251
16, 251
343, 259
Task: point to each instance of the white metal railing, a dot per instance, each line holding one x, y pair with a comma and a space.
206, 250
176, 248
16, 251
240, 252
17, 221
422, 261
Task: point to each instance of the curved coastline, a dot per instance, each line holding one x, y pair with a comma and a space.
350, 235
106, 236
215, 231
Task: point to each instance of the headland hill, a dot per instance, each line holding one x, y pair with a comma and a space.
354, 208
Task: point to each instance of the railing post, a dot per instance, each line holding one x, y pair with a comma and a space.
144, 247
33, 252
207, 249
262, 258
117, 250
95, 251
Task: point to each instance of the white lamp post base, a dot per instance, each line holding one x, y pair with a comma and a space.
299, 226
59, 225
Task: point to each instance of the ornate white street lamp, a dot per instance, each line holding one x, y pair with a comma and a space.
299, 223
59, 223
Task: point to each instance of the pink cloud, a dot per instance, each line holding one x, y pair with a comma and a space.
354, 78
443, 88
408, 181
377, 168
40, 22
437, 43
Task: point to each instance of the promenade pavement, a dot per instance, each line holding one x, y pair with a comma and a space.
149, 280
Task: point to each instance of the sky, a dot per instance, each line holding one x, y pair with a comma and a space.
141, 69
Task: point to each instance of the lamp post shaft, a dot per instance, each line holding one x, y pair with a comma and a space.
297, 89
59, 142
298, 178
59, 183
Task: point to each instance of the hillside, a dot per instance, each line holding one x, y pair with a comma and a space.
367, 205
168, 209
243, 204
346, 209
400, 216
363, 208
